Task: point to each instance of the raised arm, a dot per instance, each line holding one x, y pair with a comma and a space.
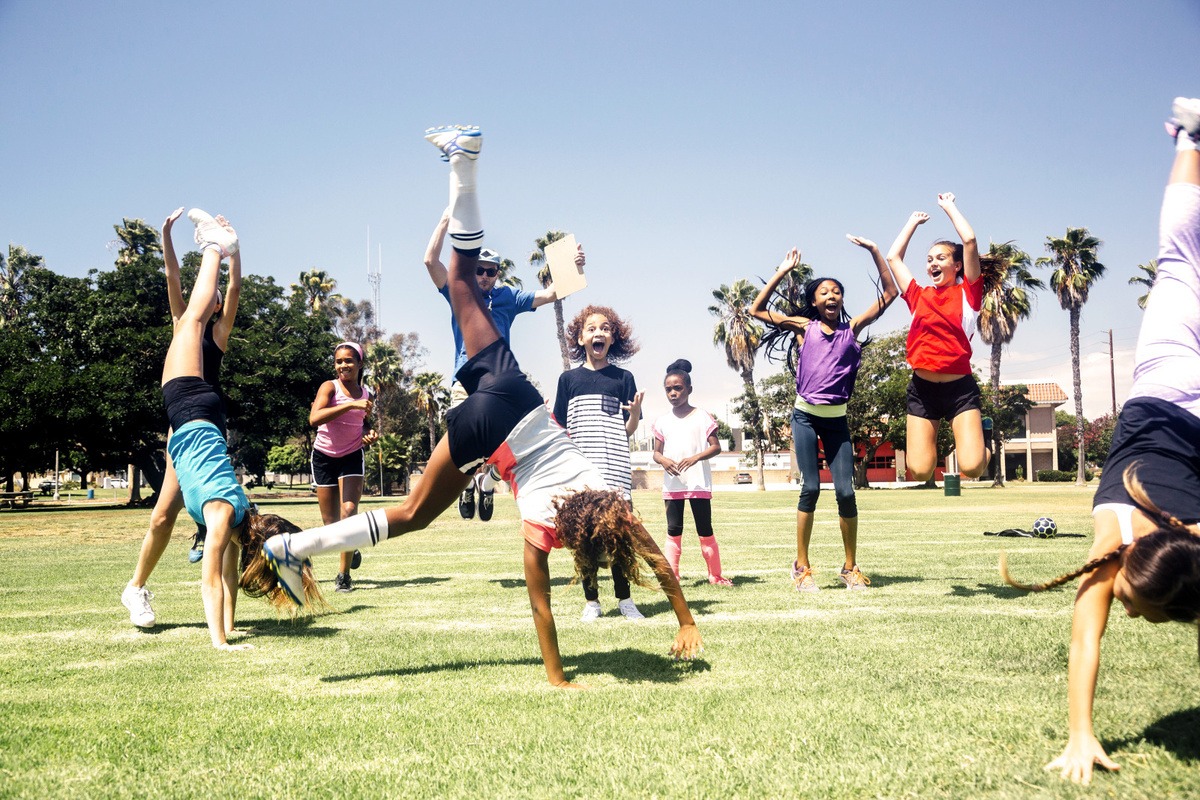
174, 287
233, 293
895, 256
887, 285
966, 234
759, 310
433, 252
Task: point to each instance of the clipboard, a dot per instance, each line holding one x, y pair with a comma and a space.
560, 257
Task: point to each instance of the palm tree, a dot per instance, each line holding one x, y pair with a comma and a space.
13, 289
316, 287
431, 397
136, 239
1075, 270
740, 334
1147, 280
538, 259
508, 274
385, 370
1006, 301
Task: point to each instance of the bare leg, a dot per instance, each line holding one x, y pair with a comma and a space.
804, 527
922, 447
968, 443
184, 356
162, 523
849, 526
440, 486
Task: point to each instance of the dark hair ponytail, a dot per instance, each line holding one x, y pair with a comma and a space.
681, 367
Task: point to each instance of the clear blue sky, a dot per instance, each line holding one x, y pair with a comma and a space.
685, 144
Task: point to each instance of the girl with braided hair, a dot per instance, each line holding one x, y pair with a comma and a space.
1146, 553
563, 500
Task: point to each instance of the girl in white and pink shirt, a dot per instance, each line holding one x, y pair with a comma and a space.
684, 441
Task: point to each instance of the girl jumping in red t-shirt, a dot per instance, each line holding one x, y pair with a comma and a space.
939, 345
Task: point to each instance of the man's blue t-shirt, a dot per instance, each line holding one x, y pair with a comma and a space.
504, 302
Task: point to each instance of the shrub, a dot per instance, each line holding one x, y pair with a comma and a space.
1059, 476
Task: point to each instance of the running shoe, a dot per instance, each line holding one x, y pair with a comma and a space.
1185, 113
453, 139
466, 503
591, 611
209, 231
137, 600
197, 551
803, 578
628, 609
356, 559
342, 583
286, 566
487, 504
854, 579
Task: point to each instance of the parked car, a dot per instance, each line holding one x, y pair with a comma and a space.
117, 482
743, 477
48, 486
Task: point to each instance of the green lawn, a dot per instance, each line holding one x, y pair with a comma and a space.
937, 682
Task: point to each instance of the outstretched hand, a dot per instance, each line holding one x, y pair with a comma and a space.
946, 199
790, 261
171, 219
634, 406
918, 218
688, 644
861, 242
1079, 758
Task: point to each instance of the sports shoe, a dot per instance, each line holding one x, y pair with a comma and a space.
138, 602
487, 504
342, 583
803, 578
466, 503
853, 578
356, 559
286, 566
628, 609
1185, 117
452, 139
197, 551
591, 611
209, 231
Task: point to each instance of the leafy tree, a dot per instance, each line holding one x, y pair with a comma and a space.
538, 259
877, 410
1150, 273
1097, 438
432, 397
136, 241
289, 459
1075, 270
740, 335
777, 398
393, 455
1007, 406
355, 321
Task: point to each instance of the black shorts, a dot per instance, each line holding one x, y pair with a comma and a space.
498, 397
189, 398
938, 401
1164, 441
326, 469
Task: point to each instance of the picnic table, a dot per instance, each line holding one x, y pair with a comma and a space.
15, 499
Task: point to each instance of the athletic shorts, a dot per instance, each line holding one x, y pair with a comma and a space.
498, 397
326, 470
189, 399
1164, 441
201, 460
938, 401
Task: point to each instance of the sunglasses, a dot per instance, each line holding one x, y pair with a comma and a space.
489, 271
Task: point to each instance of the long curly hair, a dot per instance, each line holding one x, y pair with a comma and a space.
258, 579
600, 528
1163, 568
623, 347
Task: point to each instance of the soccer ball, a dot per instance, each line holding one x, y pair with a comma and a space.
1045, 528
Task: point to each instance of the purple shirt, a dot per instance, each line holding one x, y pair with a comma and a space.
828, 365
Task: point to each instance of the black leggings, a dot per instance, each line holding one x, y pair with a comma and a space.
701, 513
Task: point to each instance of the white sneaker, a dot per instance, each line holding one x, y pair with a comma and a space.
629, 610
209, 231
453, 139
138, 602
285, 565
1186, 114
591, 611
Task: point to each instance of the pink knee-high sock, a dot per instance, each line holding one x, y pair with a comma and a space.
672, 550
712, 556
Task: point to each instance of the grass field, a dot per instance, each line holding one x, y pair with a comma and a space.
939, 681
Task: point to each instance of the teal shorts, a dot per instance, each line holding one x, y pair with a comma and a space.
201, 458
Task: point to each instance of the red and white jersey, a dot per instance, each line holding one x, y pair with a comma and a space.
943, 325
542, 464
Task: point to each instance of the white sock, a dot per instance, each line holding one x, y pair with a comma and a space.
487, 483
466, 223
355, 533
1184, 141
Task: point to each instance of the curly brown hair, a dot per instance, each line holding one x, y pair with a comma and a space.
601, 528
258, 579
623, 347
